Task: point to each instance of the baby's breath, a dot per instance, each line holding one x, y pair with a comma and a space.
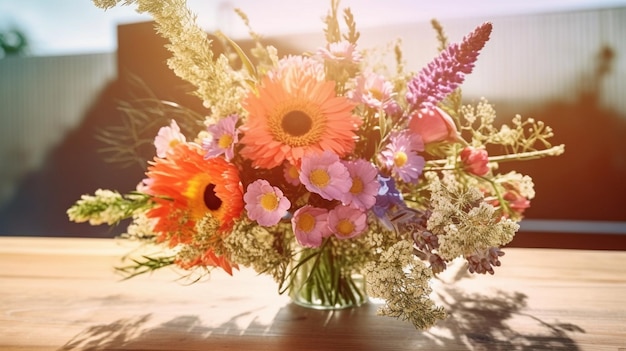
141, 227
403, 282
519, 136
464, 222
257, 247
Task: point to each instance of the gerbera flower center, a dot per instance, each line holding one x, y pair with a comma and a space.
296, 123
357, 186
400, 158
211, 200
225, 141
345, 227
306, 222
269, 202
320, 178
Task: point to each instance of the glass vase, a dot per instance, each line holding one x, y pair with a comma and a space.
322, 282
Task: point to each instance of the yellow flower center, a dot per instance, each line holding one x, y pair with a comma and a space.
225, 141
400, 158
306, 222
376, 94
269, 202
357, 186
293, 172
173, 143
319, 178
345, 227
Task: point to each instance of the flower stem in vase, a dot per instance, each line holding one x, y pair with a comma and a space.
320, 280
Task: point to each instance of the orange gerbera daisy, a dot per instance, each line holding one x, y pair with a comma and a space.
287, 121
186, 187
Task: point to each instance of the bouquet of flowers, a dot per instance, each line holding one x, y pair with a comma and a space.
323, 170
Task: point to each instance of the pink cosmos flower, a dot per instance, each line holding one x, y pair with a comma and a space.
346, 222
167, 138
223, 138
434, 125
401, 157
376, 92
341, 52
310, 225
476, 161
324, 174
265, 203
362, 194
291, 174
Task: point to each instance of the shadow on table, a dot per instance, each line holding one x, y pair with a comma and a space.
476, 322
494, 323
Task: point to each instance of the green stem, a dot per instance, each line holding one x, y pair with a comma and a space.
519, 156
320, 281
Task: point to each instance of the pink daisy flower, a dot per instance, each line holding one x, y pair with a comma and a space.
223, 138
291, 174
346, 222
265, 203
167, 138
362, 194
310, 225
324, 174
375, 91
401, 157
341, 52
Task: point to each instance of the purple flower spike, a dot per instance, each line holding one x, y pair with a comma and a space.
447, 71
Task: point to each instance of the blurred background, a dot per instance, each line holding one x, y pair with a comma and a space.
67, 67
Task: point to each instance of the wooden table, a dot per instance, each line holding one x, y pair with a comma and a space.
62, 294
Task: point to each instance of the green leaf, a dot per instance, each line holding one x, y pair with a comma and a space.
247, 63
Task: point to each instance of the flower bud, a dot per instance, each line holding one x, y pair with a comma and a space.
434, 125
475, 160
517, 202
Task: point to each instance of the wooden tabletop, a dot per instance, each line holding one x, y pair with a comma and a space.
63, 294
